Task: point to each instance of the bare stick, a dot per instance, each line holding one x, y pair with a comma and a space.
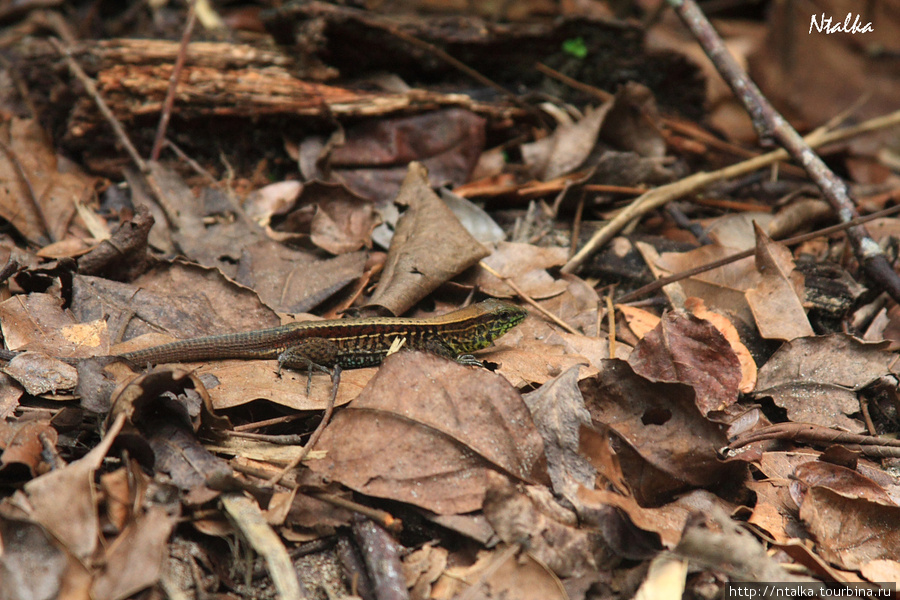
166, 113
521, 293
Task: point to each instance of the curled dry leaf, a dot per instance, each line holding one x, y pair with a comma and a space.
162, 429
500, 573
23, 445
775, 300
559, 413
727, 329
429, 247
842, 480
568, 551
64, 503
37, 195
426, 430
686, 349
567, 148
338, 221
663, 430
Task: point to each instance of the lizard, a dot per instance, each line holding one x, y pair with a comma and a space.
343, 343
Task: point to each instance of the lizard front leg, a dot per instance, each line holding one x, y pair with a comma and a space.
312, 353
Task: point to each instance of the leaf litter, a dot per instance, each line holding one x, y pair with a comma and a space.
736, 426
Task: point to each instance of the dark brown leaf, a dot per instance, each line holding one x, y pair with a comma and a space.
372, 161
662, 428
685, 349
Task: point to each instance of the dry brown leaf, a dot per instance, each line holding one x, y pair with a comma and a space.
373, 157
23, 444
567, 550
526, 265
850, 532
842, 480
567, 147
499, 573
727, 329
639, 320
774, 511
38, 322
181, 299
426, 430
238, 382
134, 560
331, 217
633, 123
292, 281
38, 197
557, 408
421, 568
429, 247
64, 503
815, 379
775, 300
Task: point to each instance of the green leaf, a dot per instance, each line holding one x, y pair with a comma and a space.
575, 47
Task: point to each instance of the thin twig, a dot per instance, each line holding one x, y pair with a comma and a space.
770, 124
797, 239
527, 298
8, 270
267, 422
329, 410
197, 167
177, 69
293, 439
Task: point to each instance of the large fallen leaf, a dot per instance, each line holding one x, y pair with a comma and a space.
851, 532
426, 430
